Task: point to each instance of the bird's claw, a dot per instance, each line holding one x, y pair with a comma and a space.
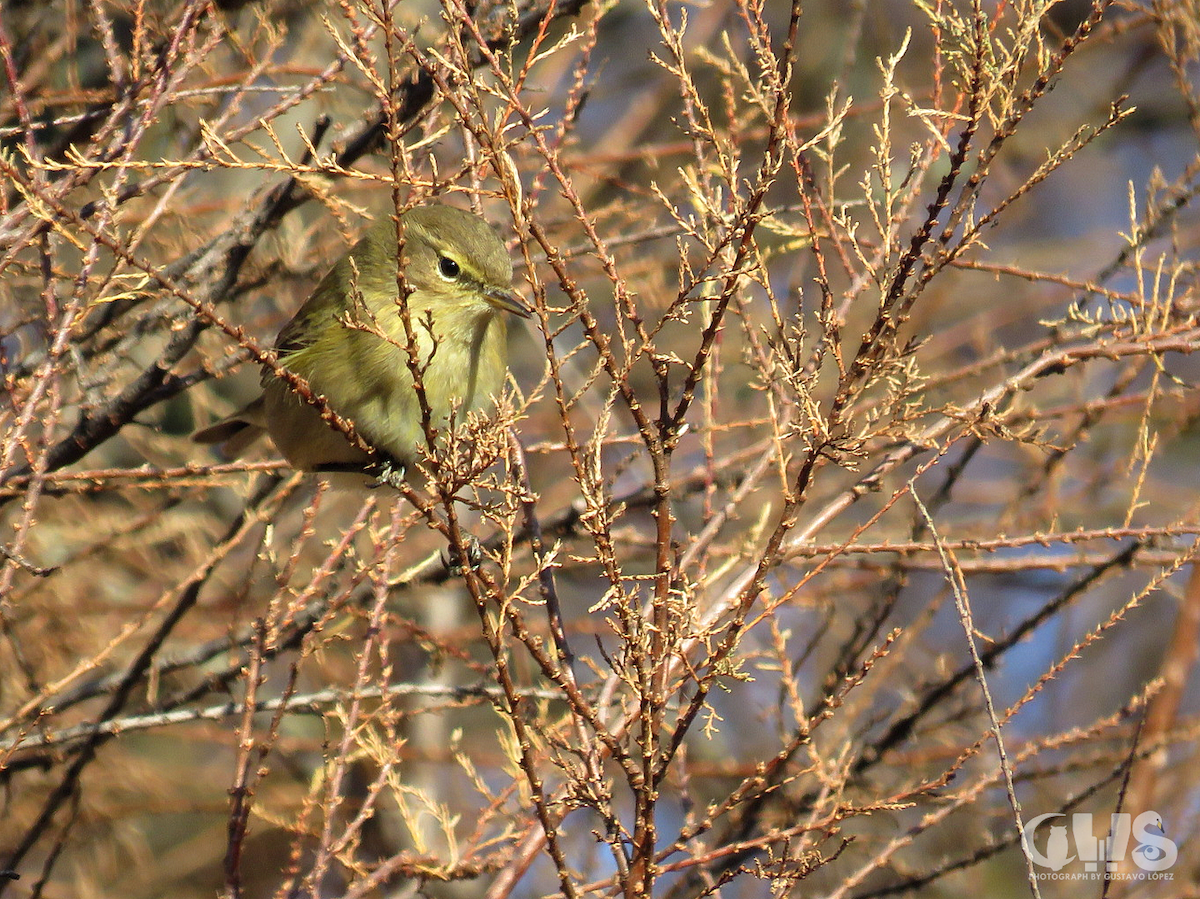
474, 558
388, 473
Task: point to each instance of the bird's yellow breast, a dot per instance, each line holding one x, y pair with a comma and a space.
368, 379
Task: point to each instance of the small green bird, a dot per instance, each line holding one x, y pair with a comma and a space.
461, 282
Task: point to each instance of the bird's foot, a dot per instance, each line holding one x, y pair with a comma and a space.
387, 472
474, 558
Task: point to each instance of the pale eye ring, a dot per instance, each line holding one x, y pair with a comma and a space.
448, 268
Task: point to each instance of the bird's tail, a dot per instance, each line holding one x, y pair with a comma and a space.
235, 432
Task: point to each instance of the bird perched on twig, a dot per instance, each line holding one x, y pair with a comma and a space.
350, 344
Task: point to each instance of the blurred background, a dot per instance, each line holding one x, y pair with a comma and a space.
856, 419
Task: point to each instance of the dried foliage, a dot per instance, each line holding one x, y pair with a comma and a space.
837, 520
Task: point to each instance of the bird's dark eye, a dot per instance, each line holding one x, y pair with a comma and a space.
448, 268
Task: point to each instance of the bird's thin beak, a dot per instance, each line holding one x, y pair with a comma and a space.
505, 299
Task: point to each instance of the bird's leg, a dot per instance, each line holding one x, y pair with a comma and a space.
386, 470
474, 557
339, 468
